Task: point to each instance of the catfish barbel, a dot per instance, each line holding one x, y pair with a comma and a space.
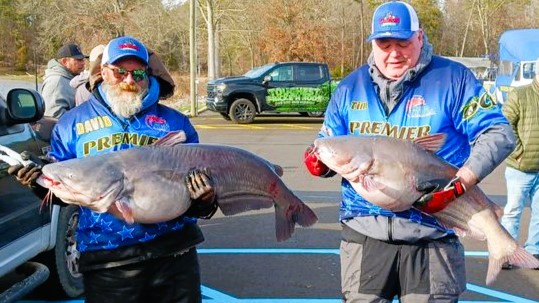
146, 184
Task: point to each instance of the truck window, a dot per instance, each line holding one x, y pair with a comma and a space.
283, 73
309, 73
528, 70
258, 71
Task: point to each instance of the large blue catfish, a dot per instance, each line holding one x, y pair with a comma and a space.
388, 172
146, 184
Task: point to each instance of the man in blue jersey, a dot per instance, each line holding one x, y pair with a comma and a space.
131, 262
407, 92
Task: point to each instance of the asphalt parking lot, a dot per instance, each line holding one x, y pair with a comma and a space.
241, 260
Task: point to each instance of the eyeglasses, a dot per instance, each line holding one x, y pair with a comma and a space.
121, 73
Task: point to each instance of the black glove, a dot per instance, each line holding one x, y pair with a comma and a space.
200, 186
27, 175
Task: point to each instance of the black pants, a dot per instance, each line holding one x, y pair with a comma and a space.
167, 279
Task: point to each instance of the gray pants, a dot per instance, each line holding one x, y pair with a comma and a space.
377, 271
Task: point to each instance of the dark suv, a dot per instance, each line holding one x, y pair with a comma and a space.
37, 242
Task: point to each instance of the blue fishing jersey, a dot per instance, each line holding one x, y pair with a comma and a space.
91, 129
444, 98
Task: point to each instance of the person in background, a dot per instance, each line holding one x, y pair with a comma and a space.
124, 262
80, 82
522, 166
405, 89
58, 95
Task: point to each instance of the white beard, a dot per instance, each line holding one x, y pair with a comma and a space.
123, 103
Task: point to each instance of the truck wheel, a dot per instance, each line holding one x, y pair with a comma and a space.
66, 253
242, 111
315, 114
312, 114
63, 260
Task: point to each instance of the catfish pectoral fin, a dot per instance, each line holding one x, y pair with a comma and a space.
122, 210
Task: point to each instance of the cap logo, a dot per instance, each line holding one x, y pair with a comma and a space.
389, 20
129, 46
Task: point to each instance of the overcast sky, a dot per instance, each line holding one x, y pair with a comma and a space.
173, 2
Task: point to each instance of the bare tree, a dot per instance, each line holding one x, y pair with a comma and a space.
241, 34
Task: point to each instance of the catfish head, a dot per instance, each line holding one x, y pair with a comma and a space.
94, 182
346, 158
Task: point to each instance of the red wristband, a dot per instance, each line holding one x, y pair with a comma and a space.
440, 199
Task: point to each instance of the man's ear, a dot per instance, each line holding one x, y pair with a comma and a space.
104, 74
420, 36
63, 61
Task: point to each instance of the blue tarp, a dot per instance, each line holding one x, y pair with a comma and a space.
520, 45
515, 46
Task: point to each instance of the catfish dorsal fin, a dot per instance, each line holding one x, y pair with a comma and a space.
171, 139
431, 143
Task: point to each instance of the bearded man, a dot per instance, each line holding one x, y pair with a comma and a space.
131, 262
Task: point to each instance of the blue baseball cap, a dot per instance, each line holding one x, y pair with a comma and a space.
394, 20
122, 47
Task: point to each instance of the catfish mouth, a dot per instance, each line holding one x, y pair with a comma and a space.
324, 152
47, 181
71, 195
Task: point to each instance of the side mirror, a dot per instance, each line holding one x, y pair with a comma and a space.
24, 106
267, 79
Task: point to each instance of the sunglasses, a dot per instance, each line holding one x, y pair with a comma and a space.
121, 73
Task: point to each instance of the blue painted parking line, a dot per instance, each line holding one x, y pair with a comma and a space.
218, 297
249, 251
497, 294
297, 251
211, 295
214, 296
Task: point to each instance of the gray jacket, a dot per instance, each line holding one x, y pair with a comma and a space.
58, 95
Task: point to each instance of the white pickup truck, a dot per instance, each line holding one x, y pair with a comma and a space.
37, 243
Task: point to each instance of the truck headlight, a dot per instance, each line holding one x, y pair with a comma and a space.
220, 87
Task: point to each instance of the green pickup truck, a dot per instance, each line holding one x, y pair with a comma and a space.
303, 87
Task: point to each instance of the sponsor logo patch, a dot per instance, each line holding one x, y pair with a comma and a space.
483, 102
157, 123
418, 108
